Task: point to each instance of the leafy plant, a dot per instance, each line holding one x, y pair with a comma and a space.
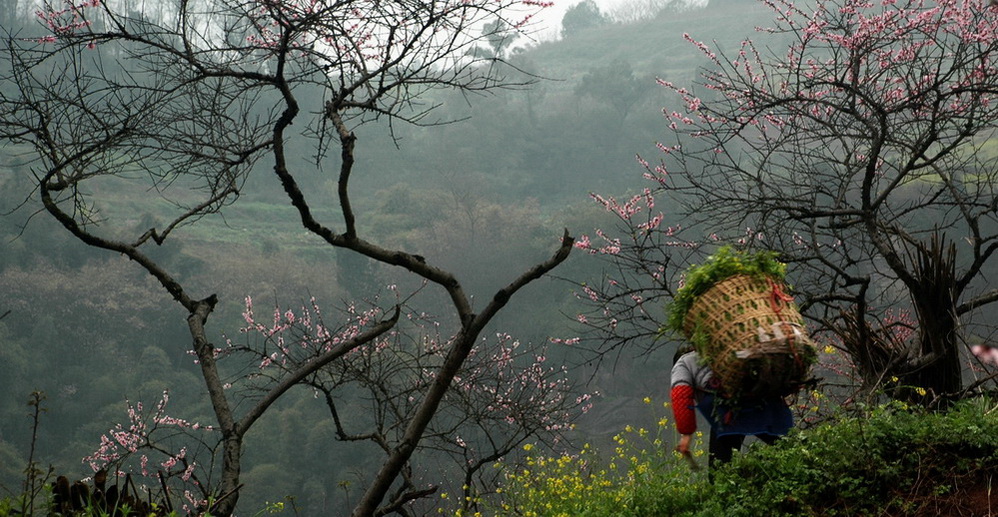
723, 264
639, 477
886, 460
889, 459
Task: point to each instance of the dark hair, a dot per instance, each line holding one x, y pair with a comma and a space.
681, 351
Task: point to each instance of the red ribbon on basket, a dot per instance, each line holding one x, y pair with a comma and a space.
777, 295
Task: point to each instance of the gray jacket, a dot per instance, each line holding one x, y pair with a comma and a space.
690, 371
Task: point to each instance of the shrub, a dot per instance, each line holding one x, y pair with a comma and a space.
884, 460
890, 460
642, 477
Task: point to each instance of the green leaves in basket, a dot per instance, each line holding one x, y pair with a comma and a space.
723, 264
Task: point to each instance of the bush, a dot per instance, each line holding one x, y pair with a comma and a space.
887, 460
641, 478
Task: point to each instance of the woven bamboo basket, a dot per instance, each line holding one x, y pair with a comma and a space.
752, 335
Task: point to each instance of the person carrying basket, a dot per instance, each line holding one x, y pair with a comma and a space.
749, 350
694, 385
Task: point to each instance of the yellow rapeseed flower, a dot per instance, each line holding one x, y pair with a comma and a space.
647, 400
528, 446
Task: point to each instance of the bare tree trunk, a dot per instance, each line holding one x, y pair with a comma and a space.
938, 370
462, 346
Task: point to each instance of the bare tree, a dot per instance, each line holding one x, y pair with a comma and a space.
857, 148
505, 395
185, 103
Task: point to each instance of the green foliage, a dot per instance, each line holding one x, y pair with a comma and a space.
270, 508
7, 509
889, 459
725, 263
886, 460
580, 17
615, 85
641, 477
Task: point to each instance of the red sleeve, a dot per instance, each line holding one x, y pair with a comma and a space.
682, 408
